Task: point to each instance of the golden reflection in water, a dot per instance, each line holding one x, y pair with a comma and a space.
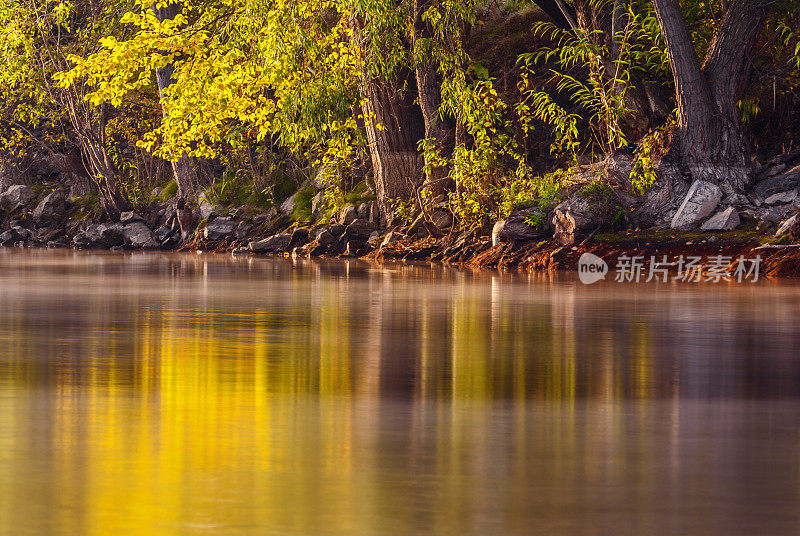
186, 396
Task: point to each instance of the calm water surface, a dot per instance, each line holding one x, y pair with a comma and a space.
154, 394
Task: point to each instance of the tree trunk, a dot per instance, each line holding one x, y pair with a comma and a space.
713, 145
90, 126
184, 168
430, 99
390, 125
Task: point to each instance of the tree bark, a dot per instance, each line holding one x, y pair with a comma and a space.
713, 145
389, 122
184, 168
90, 127
430, 99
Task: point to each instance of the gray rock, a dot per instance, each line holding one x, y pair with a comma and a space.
442, 219
22, 232
138, 235
318, 205
219, 229
325, 238
8, 238
783, 182
701, 200
204, 206
368, 210
724, 220
417, 227
781, 198
337, 229
288, 206
737, 199
51, 209
14, 234
278, 242
516, 227
17, 196
163, 233
242, 229
129, 217
348, 214
770, 171
359, 230
374, 239
104, 235
773, 215
392, 236
786, 225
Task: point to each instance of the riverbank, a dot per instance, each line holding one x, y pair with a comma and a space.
51, 218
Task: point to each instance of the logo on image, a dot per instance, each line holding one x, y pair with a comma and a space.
591, 268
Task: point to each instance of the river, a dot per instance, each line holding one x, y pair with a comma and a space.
182, 394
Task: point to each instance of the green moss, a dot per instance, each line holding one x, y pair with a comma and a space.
302, 210
169, 191
283, 186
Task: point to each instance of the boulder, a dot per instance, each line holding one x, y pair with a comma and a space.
773, 215
104, 235
138, 235
781, 198
348, 214
242, 229
786, 225
359, 230
51, 209
700, 201
442, 219
517, 226
783, 182
724, 220
392, 236
219, 229
17, 196
278, 242
204, 207
129, 217
288, 206
14, 234
337, 229
300, 237
318, 205
368, 210
163, 233
325, 238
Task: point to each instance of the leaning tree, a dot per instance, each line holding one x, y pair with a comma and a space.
711, 141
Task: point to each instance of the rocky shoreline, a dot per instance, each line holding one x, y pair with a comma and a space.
680, 219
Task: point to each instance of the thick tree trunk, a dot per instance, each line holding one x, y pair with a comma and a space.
430, 99
713, 145
184, 168
392, 134
389, 126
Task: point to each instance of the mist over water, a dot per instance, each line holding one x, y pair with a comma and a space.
178, 394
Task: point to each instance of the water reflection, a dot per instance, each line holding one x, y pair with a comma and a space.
186, 394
